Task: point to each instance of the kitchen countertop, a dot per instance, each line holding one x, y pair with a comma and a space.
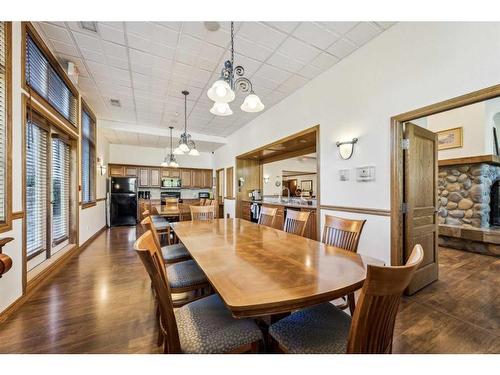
276, 202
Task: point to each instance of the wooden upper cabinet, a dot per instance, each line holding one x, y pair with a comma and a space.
143, 177
186, 180
165, 172
130, 171
197, 178
175, 173
116, 170
155, 180
207, 178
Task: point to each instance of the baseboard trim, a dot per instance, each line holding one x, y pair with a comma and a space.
44, 276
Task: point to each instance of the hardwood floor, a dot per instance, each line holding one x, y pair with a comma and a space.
101, 302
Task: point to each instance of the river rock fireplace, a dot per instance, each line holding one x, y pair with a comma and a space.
469, 204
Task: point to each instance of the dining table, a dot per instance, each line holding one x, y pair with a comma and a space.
260, 271
168, 210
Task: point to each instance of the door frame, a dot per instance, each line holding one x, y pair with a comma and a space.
397, 167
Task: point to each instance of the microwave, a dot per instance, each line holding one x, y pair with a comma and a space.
170, 182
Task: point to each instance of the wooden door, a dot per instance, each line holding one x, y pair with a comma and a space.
116, 170
144, 177
186, 178
155, 177
420, 197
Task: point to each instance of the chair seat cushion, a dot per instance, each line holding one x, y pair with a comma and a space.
185, 274
174, 252
207, 326
317, 329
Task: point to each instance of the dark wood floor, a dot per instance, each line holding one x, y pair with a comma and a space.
101, 302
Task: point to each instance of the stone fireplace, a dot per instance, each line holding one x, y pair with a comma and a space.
469, 205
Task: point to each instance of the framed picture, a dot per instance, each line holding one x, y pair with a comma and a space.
306, 185
450, 138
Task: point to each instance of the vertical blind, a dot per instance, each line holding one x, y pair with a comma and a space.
3, 119
60, 190
88, 158
36, 189
44, 79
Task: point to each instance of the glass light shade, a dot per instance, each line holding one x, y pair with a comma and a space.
252, 103
194, 152
173, 164
183, 147
178, 151
221, 109
221, 92
164, 163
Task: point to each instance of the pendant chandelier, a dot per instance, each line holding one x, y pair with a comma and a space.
186, 144
231, 79
169, 160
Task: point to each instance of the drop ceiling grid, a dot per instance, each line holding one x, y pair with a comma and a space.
148, 73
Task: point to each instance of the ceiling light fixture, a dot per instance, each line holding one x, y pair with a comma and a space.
169, 160
231, 79
186, 144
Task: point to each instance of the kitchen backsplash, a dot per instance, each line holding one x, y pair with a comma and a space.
185, 193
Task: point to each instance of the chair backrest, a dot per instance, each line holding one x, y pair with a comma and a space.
148, 224
151, 257
202, 212
267, 216
202, 201
296, 221
171, 202
146, 213
184, 212
372, 325
342, 232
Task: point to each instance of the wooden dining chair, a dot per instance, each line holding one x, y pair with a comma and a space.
267, 216
296, 222
202, 326
343, 233
183, 275
202, 213
172, 253
326, 329
202, 201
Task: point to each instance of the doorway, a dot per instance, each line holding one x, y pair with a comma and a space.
406, 197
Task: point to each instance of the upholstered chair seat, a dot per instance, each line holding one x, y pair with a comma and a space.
185, 274
207, 326
314, 330
174, 253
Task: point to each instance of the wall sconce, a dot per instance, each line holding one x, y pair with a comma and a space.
346, 148
101, 167
241, 181
266, 179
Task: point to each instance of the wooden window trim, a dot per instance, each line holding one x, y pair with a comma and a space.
6, 225
230, 183
27, 27
85, 107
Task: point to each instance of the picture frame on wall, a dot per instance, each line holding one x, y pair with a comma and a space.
450, 138
495, 140
306, 185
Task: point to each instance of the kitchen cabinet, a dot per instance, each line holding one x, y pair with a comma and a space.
207, 179
245, 211
172, 173
186, 178
143, 177
130, 171
116, 171
196, 178
155, 180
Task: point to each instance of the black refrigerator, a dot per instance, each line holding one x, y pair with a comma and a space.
123, 201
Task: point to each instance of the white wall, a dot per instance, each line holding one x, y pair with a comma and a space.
409, 66
275, 172
137, 155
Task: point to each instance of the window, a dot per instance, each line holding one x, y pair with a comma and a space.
43, 78
4, 126
36, 189
60, 190
88, 156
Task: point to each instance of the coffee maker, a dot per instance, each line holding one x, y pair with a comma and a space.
256, 195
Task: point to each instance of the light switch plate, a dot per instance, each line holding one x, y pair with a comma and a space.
365, 174
344, 174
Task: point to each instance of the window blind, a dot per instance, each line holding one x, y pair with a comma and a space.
43, 78
60, 190
36, 189
3, 119
88, 158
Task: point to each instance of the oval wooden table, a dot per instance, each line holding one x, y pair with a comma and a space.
260, 271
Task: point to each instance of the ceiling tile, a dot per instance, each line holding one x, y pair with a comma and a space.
87, 42
250, 49
363, 33
56, 33
112, 34
324, 61
114, 50
93, 56
271, 73
341, 48
64, 48
339, 27
315, 34
298, 50
286, 26
385, 24
261, 34
282, 61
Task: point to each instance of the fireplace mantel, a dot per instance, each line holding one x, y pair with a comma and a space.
488, 159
